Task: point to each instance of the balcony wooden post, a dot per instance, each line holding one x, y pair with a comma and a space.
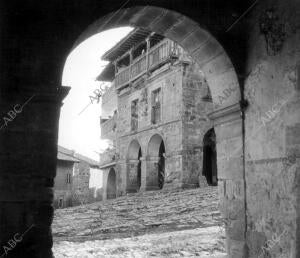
115, 65
147, 53
130, 56
130, 63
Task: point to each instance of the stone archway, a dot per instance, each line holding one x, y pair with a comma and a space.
32, 72
155, 163
111, 189
133, 167
209, 169
223, 83
198, 42
161, 165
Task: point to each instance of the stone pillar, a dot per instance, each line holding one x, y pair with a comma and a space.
105, 172
173, 171
28, 155
190, 168
151, 173
144, 174
121, 170
230, 162
132, 176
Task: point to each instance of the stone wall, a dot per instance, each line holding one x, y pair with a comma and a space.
169, 79
185, 103
196, 104
273, 129
81, 192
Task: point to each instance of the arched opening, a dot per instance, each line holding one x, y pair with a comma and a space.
208, 53
139, 169
134, 167
210, 158
111, 191
156, 153
161, 165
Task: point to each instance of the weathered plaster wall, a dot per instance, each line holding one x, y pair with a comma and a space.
273, 130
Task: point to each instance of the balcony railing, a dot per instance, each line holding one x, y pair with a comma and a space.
138, 67
122, 77
156, 55
159, 54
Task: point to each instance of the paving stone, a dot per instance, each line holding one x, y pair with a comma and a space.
180, 223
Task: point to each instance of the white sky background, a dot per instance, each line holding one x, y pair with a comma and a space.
82, 132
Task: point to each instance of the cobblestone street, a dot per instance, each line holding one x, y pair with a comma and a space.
181, 223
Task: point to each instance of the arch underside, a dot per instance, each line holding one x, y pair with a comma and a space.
154, 145
133, 150
133, 173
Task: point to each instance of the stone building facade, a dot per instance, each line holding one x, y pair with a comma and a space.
63, 185
155, 115
73, 184
81, 190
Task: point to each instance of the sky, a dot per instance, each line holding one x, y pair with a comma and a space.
80, 130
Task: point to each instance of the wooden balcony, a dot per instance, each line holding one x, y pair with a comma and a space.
138, 67
156, 55
160, 53
122, 77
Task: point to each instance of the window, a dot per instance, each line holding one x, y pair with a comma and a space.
68, 178
134, 115
155, 106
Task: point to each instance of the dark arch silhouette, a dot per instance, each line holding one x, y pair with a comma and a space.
111, 191
210, 157
139, 170
156, 148
161, 165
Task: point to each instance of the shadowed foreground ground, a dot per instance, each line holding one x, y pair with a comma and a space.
182, 223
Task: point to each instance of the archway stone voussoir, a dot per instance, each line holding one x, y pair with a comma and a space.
181, 29
224, 89
119, 18
206, 52
195, 40
218, 65
146, 16
116, 19
167, 20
